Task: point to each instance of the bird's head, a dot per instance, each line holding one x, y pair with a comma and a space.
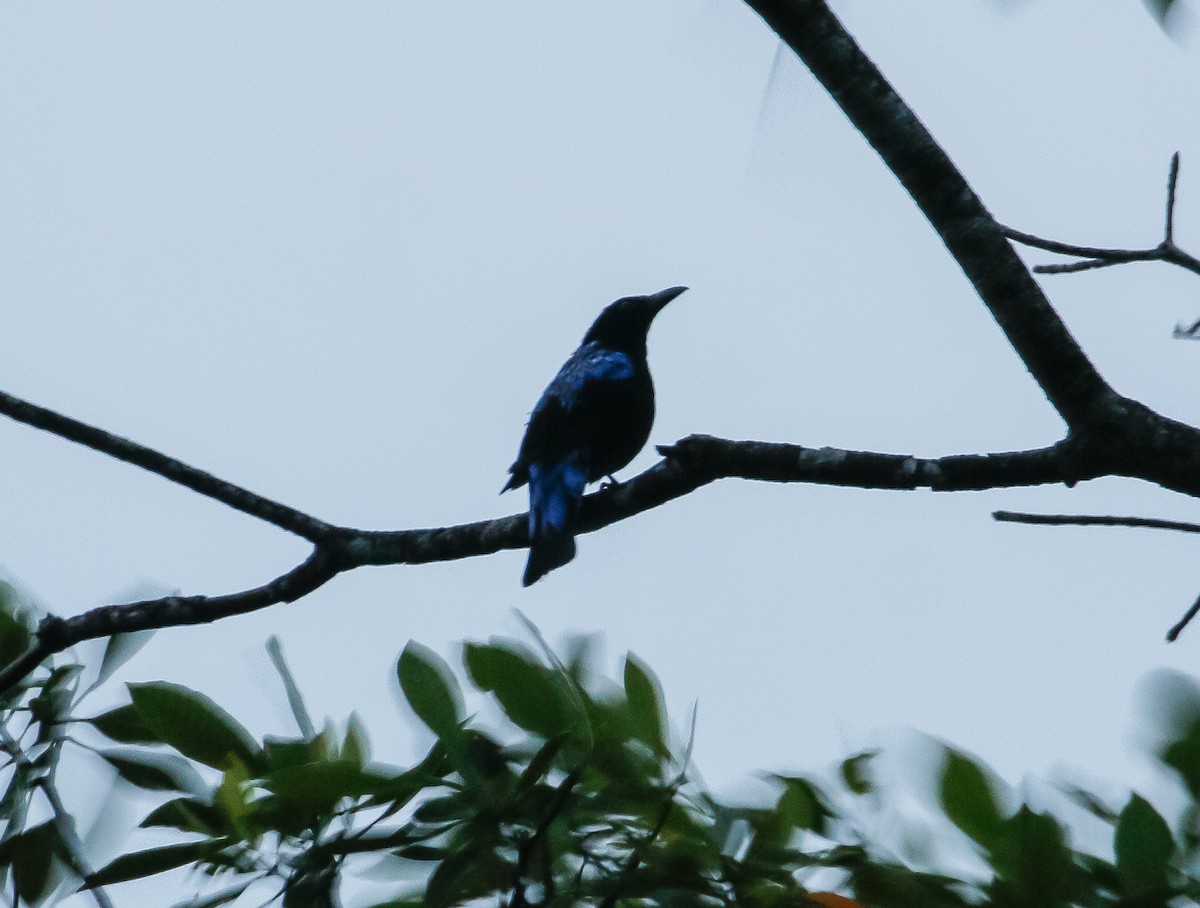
623, 325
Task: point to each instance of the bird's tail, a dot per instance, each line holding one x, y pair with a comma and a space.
555, 491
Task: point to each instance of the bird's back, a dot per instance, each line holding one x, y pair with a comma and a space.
601, 403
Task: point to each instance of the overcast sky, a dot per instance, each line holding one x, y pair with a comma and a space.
333, 252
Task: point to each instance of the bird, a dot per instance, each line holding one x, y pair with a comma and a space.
591, 421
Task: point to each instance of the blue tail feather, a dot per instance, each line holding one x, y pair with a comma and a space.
555, 491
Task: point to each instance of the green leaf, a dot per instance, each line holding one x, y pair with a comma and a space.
969, 800
1183, 756
469, 873
156, 771
295, 698
124, 725
856, 771
188, 815
541, 762
431, 689
15, 635
213, 899
449, 809
32, 859
233, 797
151, 861
356, 746
323, 784
19, 789
1143, 846
531, 695
53, 704
193, 724
280, 753
645, 697
119, 650
1031, 858
801, 805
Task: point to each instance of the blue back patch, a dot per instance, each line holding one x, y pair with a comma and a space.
589, 363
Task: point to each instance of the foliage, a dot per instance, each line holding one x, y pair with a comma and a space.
574, 792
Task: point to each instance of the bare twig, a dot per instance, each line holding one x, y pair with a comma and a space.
1172, 182
1183, 622
1092, 257
282, 516
1085, 520
1112, 521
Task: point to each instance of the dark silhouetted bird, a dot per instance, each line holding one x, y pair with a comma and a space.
590, 422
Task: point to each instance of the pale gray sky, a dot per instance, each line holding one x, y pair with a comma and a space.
333, 252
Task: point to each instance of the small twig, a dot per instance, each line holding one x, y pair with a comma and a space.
1191, 332
1183, 622
635, 856
1093, 257
525, 850
1172, 180
1085, 520
1105, 521
280, 515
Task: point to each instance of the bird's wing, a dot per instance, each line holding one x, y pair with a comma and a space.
558, 424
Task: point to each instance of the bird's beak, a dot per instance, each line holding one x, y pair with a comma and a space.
660, 299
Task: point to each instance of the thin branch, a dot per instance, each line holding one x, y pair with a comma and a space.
1109, 256
691, 463
1084, 520
970, 233
525, 851
1172, 182
1183, 622
280, 515
1093, 257
176, 611
635, 856
64, 823
1111, 521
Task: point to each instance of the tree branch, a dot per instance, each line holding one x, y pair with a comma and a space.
282, 516
1092, 257
971, 234
690, 464
1084, 520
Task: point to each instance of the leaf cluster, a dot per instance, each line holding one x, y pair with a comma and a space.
567, 788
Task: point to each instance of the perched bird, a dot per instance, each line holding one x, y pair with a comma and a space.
591, 420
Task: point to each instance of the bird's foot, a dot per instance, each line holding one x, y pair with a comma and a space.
610, 484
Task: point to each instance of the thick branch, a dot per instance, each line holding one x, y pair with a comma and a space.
700, 459
690, 463
176, 471
970, 233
